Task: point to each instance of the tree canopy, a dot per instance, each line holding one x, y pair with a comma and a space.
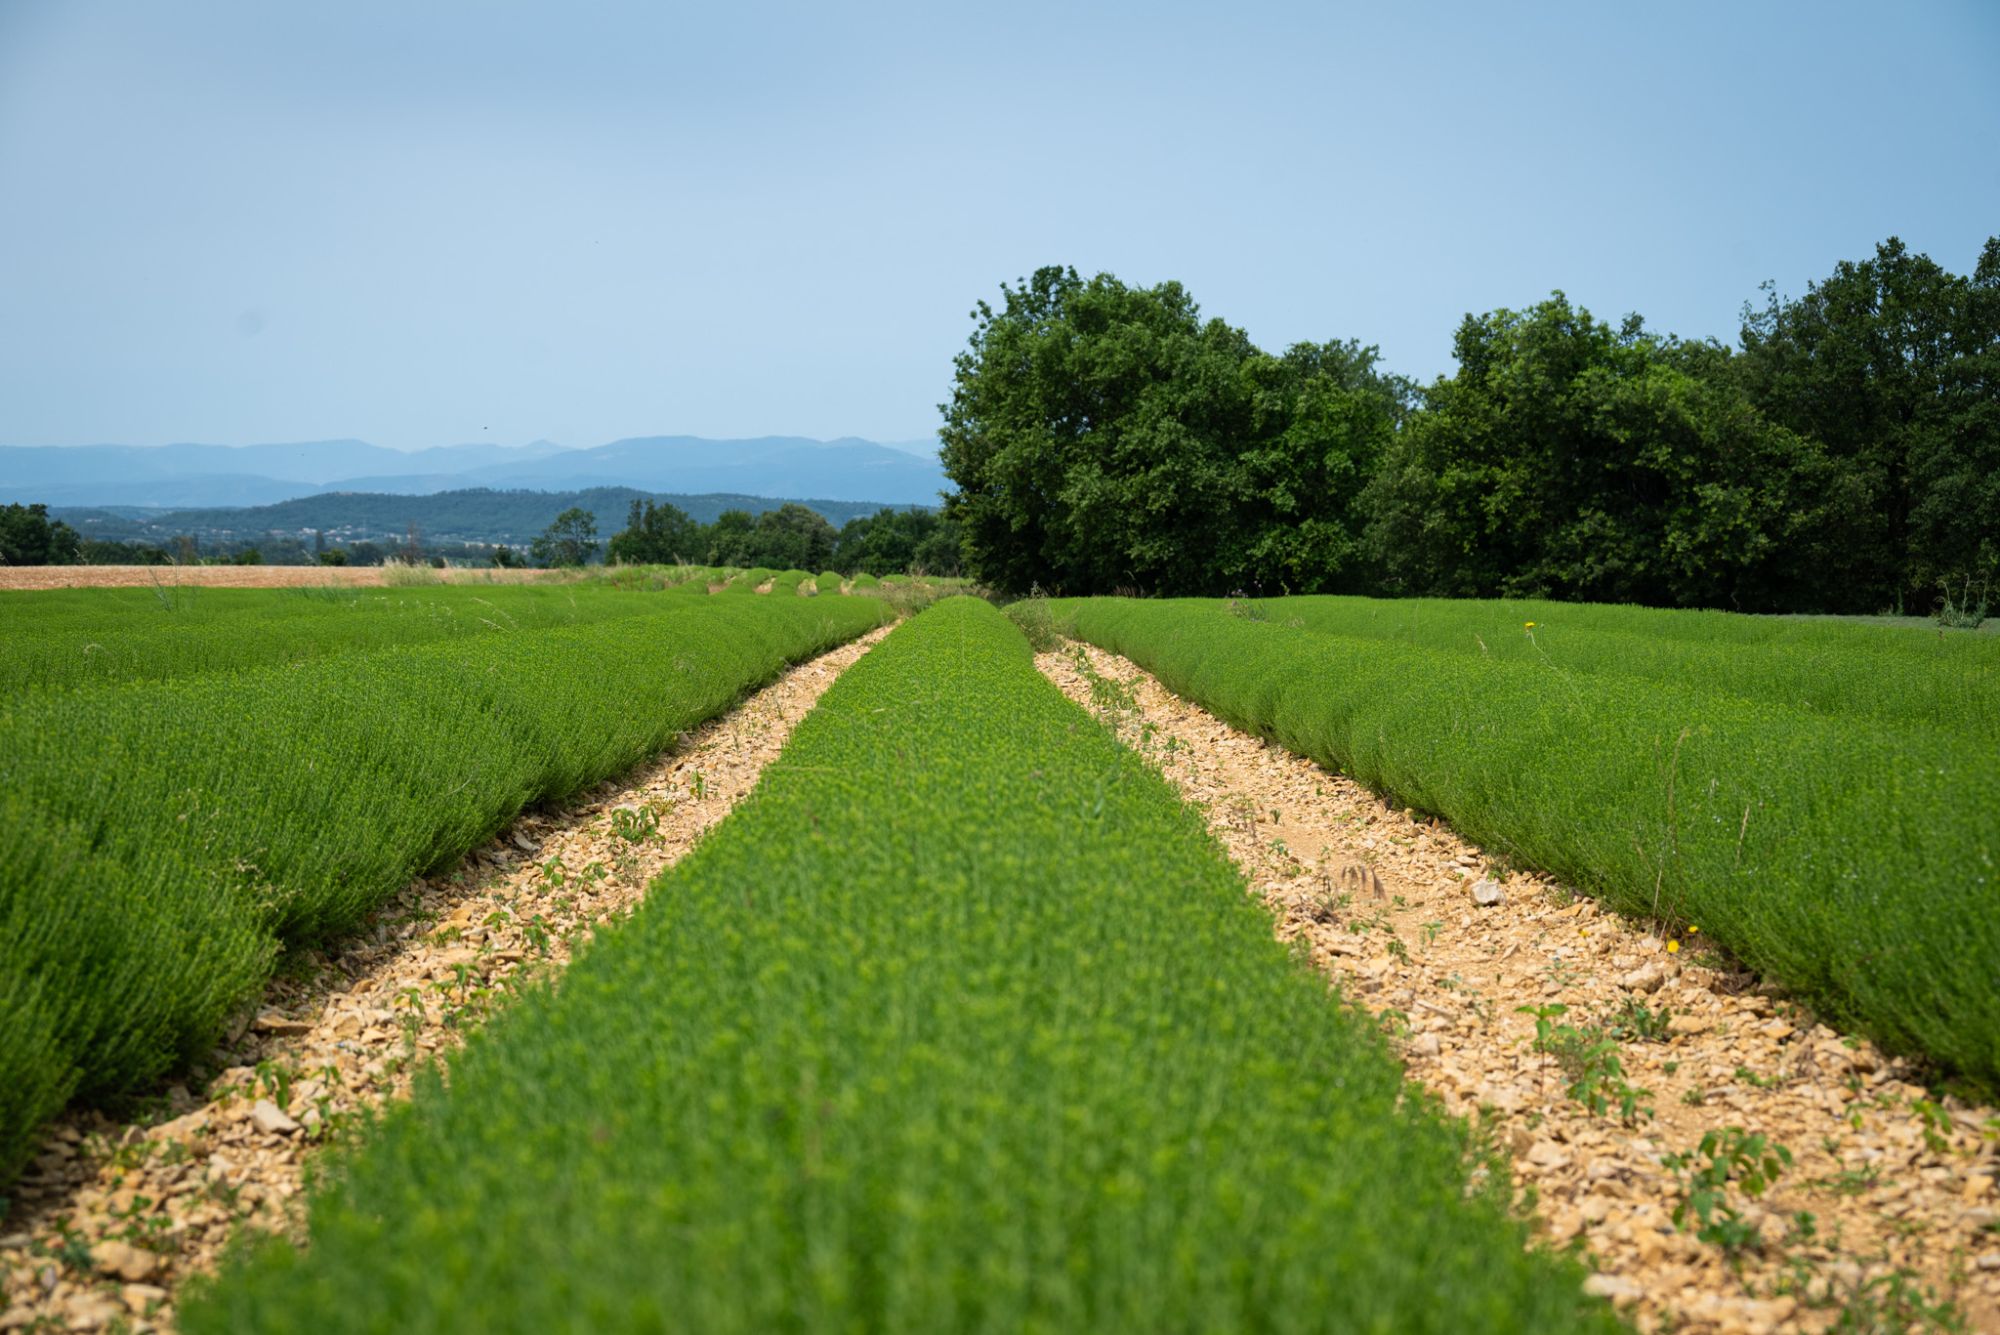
1844, 458
1893, 364
28, 537
570, 540
1104, 437
1571, 459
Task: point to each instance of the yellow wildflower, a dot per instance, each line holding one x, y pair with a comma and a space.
1529, 624
1673, 947
1694, 931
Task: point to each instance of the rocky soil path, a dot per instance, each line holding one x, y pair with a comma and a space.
1885, 1216
114, 1216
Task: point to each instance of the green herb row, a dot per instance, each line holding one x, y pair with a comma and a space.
76, 638
158, 841
960, 1022
1944, 682
1851, 859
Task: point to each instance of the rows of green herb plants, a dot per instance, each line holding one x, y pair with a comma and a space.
1946, 681
1854, 859
160, 841
65, 639
960, 1022
656, 577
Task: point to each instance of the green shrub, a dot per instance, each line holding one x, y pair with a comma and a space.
1854, 859
63, 639
160, 839
1819, 665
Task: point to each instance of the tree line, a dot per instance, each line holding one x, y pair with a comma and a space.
791, 537
1842, 456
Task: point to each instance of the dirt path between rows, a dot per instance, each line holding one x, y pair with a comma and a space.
1886, 1216
113, 1216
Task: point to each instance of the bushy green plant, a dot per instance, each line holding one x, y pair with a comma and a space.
1726, 1158
960, 1022
70, 638
1853, 859
160, 839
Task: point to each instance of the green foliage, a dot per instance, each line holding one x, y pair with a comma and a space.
66, 638
159, 839
1850, 854
790, 536
1826, 668
960, 1022
570, 540
1567, 459
1590, 1064
1105, 437
1893, 364
29, 538
1031, 617
1639, 1022
893, 541
654, 534
1726, 1158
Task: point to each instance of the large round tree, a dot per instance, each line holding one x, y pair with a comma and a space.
1106, 437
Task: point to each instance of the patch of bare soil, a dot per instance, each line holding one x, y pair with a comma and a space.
1885, 1217
249, 577
113, 1216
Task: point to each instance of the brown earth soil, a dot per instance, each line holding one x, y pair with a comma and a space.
1904, 1224
114, 1215
254, 577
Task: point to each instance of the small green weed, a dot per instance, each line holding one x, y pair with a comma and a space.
635, 825
1637, 1022
1589, 1060
1730, 1157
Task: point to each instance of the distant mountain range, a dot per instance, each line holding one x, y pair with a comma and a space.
207, 476
481, 516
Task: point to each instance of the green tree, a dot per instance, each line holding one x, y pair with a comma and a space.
1107, 437
28, 537
654, 534
571, 540
790, 537
727, 540
1893, 364
1569, 459
893, 541
941, 549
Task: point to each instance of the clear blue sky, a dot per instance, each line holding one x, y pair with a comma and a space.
425, 221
